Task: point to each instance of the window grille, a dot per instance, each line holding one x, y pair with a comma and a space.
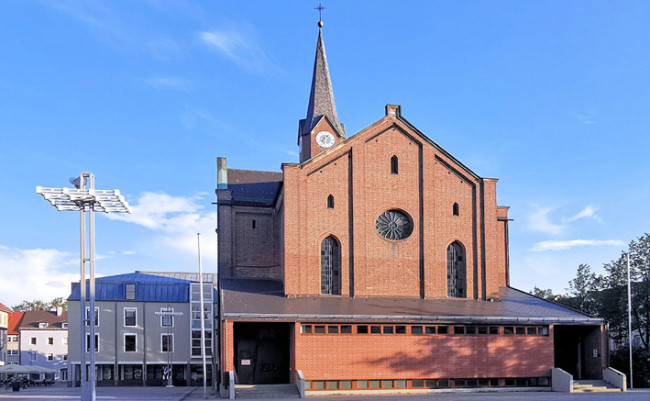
456, 281
330, 267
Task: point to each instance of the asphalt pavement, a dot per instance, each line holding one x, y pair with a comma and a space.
60, 392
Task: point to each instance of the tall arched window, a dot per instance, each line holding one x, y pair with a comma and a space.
330, 202
394, 165
330, 267
456, 271
456, 210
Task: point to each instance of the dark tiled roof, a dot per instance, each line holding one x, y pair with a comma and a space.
254, 187
260, 300
31, 319
149, 288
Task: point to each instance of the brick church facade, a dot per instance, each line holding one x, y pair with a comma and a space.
380, 261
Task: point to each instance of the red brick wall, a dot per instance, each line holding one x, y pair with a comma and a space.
352, 357
428, 180
227, 347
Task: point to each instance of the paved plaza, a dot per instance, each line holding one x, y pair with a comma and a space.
196, 393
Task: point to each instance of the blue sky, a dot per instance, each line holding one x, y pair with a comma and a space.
551, 97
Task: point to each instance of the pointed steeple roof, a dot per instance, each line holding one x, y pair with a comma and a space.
321, 97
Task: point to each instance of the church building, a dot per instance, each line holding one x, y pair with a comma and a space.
380, 261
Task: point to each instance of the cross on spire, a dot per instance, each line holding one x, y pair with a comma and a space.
320, 9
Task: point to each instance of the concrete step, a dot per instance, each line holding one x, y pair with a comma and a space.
593, 386
277, 391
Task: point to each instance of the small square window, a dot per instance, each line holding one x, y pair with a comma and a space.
129, 343
332, 329
494, 329
33, 340
305, 329
319, 385
346, 384
416, 330
430, 330
543, 331
319, 329
362, 384
400, 383
375, 384
375, 329
508, 331
520, 331
531, 331
459, 329
388, 383
417, 383
50, 357
470, 330
362, 329
400, 329
346, 329
443, 330
482, 330
332, 385
388, 329
50, 340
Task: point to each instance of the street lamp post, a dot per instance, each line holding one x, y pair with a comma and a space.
84, 198
168, 315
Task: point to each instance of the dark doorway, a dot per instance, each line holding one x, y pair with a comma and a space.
262, 352
577, 351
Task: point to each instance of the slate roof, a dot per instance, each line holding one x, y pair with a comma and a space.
255, 188
321, 96
14, 322
31, 320
259, 299
149, 288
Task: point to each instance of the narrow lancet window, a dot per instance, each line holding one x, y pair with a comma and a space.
394, 165
330, 262
456, 272
330, 202
456, 211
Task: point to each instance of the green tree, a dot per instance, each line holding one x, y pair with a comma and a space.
544, 294
40, 305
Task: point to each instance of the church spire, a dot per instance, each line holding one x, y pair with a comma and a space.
321, 97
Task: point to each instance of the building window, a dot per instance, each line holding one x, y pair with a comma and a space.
394, 225
129, 290
330, 202
50, 357
196, 315
455, 209
96, 316
50, 340
167, 320
33, 340
12, 339
167, 343
88, 342
253, 224
456, 277
64, 325
65, 357
42, 325
394, 165
32, 356
330, 262
130, 342
130, 316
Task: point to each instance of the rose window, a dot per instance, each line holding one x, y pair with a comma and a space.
394, 225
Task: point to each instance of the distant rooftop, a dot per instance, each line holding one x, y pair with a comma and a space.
252, 187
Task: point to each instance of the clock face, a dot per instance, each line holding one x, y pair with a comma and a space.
325, 139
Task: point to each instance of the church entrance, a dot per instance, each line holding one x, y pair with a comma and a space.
578, 351
262, 352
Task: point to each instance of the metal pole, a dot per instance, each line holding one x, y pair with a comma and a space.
205, 373
91, 251
629, 317
82, 303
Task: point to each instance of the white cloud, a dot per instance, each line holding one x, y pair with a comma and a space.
539, 221
35, 274
588, 212
173, 83
240, 46
176, 220
564, 245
